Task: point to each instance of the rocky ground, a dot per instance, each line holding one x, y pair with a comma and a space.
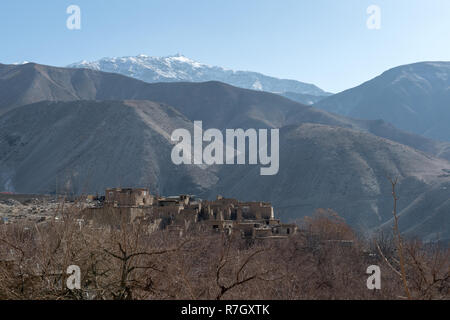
30, 208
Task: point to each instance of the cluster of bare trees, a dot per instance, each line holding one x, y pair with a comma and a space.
324, 260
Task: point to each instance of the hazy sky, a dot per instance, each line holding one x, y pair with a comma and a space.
325, 42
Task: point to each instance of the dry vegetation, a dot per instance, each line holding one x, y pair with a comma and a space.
325, 260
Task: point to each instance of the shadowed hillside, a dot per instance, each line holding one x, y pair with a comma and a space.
342, 169
217, 104
85, 146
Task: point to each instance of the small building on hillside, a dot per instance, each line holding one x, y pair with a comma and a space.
128, 197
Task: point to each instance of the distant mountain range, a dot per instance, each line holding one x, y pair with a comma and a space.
178, 68
82, 130
414, 97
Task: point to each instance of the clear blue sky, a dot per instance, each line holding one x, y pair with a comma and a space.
325, 42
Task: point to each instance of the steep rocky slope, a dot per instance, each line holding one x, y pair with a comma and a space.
342, 169
217, 104
414, 97
85, 146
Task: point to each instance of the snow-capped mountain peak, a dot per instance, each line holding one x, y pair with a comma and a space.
181, 68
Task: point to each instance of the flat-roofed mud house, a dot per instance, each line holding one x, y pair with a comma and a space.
254, 220
120, 205
128, 197
251, 219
